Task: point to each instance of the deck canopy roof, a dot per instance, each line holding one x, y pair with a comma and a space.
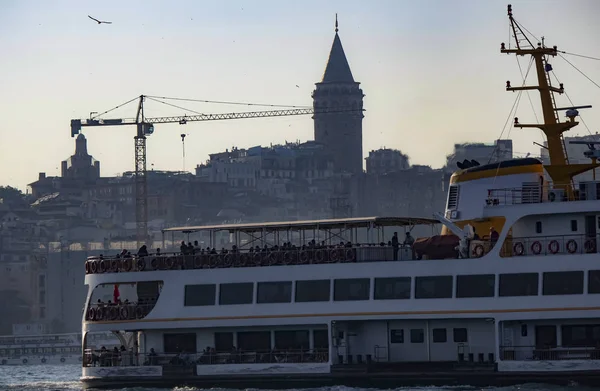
305, 225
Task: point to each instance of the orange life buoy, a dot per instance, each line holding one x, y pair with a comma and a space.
124, 313
319, 256
334, 255
103, 266
197, 262
94, 267
553, 246
590, 246
170, 262
92, 314
127, 264
478, 251
304, 257
243, 260
518, 248
155, 263
139, 312
227, 260
350, 257
536, 247
113, 312
100, 313
87, 267
141, 264
571, 246
287, 258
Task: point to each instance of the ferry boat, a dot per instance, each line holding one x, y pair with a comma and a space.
506, 293
50, 349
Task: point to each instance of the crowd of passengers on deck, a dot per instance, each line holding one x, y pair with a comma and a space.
110, 357
121, 357
286, 249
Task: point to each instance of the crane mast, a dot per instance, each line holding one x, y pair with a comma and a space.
145, 127
559, 169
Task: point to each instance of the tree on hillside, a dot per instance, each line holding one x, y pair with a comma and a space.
11, 195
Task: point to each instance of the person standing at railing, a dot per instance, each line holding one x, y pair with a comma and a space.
143, 251
395, 245
409, 240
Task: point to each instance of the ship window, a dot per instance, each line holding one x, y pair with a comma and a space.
452, 197
351, 289
223, 342
417, 336
392, 288
538, 227
460, 335
574, 225
563, 283
196, 295
439, 335
594, 281
321, 339
518, 284
180, 342
236, 293
433, 287
580, 335
292, 339
397, 336
253, 341
274, 292
476, 285
312, 290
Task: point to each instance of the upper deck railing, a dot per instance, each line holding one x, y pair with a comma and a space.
538, 245
537, 193
246, 258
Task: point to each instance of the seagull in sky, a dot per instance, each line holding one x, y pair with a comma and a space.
99, 21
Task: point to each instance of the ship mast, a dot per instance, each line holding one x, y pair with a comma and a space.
559, 169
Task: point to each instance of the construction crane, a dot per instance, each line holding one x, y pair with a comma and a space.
145, 127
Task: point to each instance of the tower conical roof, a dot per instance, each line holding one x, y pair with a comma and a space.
337, 69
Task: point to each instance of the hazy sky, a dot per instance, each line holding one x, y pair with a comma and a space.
431, 71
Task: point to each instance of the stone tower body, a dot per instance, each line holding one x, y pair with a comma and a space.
340, 132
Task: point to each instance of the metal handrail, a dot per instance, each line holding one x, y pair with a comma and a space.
550, 353
535, 194
247, 258
539, 245
99, 357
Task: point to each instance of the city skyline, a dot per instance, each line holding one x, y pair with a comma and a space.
64, 66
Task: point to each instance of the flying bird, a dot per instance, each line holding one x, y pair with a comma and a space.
99, 21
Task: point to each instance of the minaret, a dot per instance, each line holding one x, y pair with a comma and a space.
340, 132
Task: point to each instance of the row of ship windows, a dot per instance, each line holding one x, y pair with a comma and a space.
393, 288
459, 335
